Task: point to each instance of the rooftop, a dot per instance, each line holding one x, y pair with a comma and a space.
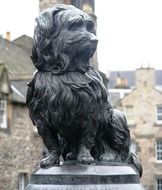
130, 77
16, 58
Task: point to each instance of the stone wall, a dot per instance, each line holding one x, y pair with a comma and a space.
21, 148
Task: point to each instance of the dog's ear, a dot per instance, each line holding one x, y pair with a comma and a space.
44, 31
46, 20
45, 23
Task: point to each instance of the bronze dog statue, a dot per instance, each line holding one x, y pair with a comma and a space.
66, 97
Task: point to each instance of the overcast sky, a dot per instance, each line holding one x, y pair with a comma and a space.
130, 34
129, 31
18, 16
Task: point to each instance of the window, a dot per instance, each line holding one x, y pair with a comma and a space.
3, 114
159, 184
159, 113
159, 150
22, 181
129, 111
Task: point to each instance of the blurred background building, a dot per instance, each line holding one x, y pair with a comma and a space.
138, 93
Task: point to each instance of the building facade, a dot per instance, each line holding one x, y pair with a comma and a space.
20, 146
142, 106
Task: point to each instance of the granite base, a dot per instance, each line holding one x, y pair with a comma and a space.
72, 176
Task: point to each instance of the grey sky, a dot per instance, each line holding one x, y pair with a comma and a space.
129, 31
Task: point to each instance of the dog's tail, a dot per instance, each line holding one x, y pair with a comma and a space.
118, 131
135, 162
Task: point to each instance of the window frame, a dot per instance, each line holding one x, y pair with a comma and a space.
128, 114
156, 182
22, 180
157, 151
3, 109
158, 114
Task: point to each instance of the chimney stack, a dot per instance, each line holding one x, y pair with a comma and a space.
145, 77
121, 82
8, 35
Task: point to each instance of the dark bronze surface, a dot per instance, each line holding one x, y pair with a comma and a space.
67, 99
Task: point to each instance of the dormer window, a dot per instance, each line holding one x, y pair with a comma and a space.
3, 112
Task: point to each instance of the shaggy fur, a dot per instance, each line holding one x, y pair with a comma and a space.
67, 100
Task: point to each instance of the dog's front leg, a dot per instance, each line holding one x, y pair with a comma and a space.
50, 140
86, 143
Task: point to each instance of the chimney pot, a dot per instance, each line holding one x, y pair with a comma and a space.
8, 35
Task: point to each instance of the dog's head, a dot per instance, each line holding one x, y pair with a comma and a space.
64, 40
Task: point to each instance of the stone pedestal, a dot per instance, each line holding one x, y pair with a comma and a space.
99, 176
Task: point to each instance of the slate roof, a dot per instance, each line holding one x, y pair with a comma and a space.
159, 77
1, 68
24, 42
21, 85
16, 59
19, 88
130, 77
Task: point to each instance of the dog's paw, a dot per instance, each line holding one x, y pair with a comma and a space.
71, 156
51, 160
84, 157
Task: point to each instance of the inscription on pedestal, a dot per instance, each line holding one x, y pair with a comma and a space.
80, 177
